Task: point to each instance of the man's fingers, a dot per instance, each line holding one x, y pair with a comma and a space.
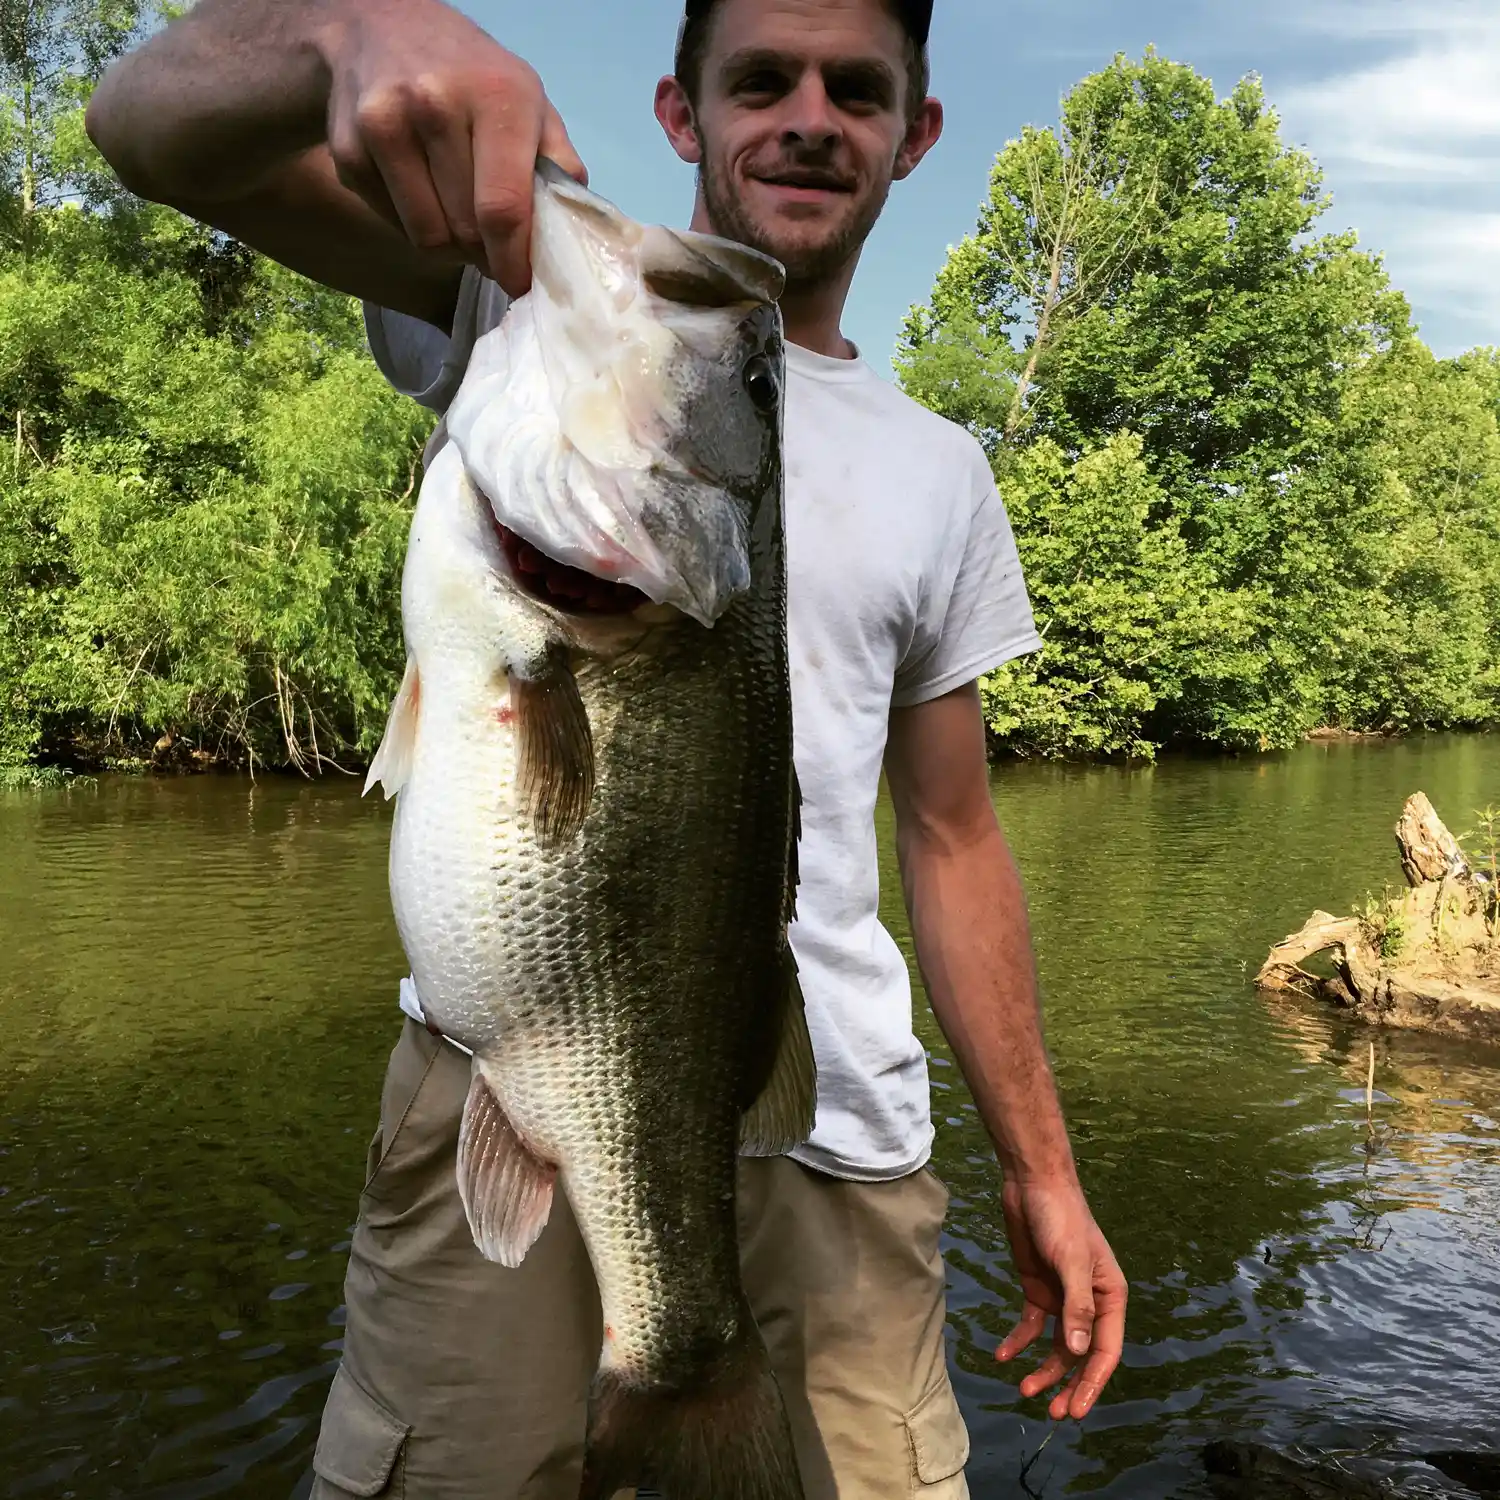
1033, 1320
354, 168
556, 146
505, 152
1046, 1375
1090, 1379
1057, 1408
381, 133
450, 161
1108, 1342
1076, 1330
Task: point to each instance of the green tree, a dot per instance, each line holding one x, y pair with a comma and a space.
1151, 267
204, 503
1130, 614
1423, 652
51, 54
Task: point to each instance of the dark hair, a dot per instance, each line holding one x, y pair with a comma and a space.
915, 17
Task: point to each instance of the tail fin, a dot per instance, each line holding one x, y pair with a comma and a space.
726, 1437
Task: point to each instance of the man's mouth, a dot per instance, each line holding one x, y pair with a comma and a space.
805, 181
565, 588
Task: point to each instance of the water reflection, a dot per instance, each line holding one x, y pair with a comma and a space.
1298, 1272
198, 999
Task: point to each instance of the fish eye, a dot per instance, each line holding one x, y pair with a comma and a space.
760, 383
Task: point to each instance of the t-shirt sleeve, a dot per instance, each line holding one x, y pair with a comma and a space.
422, 361
979, 616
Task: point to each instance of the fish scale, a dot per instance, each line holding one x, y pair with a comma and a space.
593, 854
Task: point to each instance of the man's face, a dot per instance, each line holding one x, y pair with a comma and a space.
801, 126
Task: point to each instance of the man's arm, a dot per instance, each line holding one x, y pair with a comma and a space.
374, 145
968, 915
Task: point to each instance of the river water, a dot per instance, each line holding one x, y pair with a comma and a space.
198, 993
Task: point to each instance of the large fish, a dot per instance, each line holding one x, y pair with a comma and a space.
593, 854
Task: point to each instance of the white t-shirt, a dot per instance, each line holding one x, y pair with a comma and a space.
903, 584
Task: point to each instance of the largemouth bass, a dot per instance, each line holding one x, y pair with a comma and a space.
593, 854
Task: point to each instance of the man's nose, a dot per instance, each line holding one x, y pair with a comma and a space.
810, 120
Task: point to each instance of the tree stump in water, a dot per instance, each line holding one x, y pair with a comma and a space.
1428, 850
1427, 960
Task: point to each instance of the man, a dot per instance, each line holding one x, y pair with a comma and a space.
386, 147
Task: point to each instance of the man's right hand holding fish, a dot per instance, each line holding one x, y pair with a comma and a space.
650, 540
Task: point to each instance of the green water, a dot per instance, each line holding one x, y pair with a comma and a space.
197, 993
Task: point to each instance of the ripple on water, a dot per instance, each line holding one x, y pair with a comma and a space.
198, 1001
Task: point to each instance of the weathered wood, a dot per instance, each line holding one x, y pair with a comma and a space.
1283, 969
1428, 960
1428, 850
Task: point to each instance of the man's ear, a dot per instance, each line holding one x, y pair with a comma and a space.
675, 111
921, 136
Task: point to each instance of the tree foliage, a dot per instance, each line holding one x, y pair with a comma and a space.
204, 483
1146, 323
1249, 500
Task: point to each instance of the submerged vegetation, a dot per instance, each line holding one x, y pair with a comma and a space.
1250, 502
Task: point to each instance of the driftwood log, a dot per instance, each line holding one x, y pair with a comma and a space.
1253, 1471
1428, 960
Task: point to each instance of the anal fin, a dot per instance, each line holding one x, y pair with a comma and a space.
506, 1189
393, 760
555, 771
783, 1115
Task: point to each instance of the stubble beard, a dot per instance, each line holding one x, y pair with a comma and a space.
808, 267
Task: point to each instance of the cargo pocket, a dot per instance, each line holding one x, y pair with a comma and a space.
406, 1077
939, 1443
361, 1447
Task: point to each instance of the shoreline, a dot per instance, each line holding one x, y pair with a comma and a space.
181, 761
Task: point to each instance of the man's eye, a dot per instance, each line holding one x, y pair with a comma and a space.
762, 84
859, 93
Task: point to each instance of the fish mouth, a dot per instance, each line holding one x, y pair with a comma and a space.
565, 588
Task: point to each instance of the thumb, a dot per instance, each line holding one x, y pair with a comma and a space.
1077, 1277
556, 146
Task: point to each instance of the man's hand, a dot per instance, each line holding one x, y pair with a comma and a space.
968, 914
1068, 1273
373, 145
438, 128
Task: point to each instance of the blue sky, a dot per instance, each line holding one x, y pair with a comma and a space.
1399, 100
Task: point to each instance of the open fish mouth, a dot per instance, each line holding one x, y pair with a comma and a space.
565, 588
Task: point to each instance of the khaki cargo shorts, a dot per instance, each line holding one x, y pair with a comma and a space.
462, 1380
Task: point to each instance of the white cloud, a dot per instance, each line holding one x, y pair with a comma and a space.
1408, 134
1446, 261
1383, 18
1429, 113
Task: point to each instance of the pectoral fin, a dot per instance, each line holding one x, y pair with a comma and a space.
393, 761
783, 1115
555, 770
506, 1189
